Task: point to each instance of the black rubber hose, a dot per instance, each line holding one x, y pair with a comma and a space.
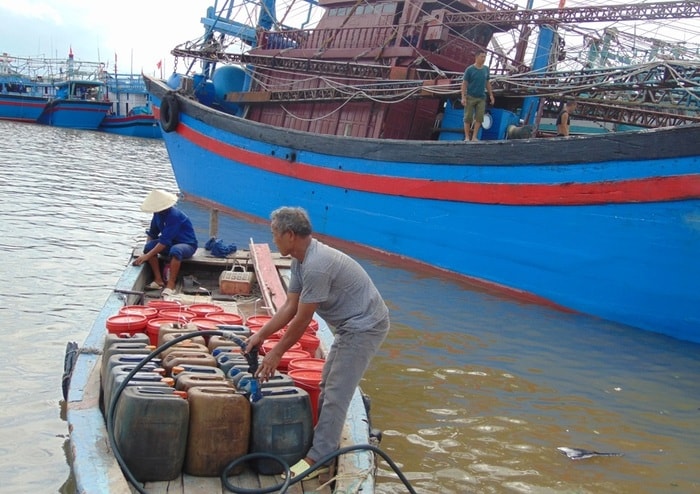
319, 464
117, 393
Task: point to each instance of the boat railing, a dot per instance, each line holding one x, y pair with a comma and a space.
498, 5
127, 86
356, 40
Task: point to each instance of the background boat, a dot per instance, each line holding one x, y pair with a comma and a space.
77, 94
363, 137
21, 98
131, 113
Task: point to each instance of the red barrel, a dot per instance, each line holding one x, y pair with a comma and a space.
153, 327
268, 344
309, 380
204, 323
228, 318
126, 323
310, 343
201, 310
290, 355
257, 322
164, 304
310, 363
143, 310
177, 314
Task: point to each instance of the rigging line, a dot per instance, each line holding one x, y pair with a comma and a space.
321, 117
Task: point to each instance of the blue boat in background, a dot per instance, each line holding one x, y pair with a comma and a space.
131, 113
20, 107
21, 99
77, 104
358, 119
75, 94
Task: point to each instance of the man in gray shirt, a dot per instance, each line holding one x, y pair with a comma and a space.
329, 282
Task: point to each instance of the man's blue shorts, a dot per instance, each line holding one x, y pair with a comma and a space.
178, 251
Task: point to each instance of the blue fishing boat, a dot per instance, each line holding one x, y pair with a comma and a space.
20, 107
131, 113
21, 99
75, 94
137, 123
120, 444
358, 119
77, 104
79, 100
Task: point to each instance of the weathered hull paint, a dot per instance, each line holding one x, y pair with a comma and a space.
607, 225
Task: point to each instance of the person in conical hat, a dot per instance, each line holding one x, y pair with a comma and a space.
171, 234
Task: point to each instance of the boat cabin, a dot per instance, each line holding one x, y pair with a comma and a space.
373, 48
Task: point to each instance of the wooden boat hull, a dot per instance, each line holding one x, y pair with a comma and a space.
607, 225
75, 114
94, 465
145, 126
21, 108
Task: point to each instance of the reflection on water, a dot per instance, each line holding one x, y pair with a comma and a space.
473, 393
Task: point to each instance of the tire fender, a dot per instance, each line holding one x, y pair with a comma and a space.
169, 112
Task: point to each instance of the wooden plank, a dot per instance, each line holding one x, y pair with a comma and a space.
202, 485
268, 278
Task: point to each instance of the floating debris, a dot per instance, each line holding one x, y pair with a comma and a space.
582, 454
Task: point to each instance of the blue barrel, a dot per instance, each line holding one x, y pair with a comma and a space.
226, 361
282, 426
228, 79
452, 125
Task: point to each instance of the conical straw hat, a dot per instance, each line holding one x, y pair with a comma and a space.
157, 201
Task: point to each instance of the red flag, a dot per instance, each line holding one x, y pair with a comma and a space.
159, 64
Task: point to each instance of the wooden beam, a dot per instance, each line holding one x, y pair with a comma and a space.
269, 280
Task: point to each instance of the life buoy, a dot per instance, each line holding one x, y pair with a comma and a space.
169, 113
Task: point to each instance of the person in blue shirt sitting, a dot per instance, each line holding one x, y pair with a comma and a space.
171, 234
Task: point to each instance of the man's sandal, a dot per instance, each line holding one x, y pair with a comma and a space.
302, 466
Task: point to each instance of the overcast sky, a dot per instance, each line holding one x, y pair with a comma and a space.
140, 32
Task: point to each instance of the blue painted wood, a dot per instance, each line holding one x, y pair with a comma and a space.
95, 468
629, 255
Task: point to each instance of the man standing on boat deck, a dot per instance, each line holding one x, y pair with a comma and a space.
475, 83
329, 282
564, 118
171, 233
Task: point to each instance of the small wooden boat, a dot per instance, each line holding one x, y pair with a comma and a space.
95, 465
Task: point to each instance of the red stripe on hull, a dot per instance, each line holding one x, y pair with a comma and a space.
654, 189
